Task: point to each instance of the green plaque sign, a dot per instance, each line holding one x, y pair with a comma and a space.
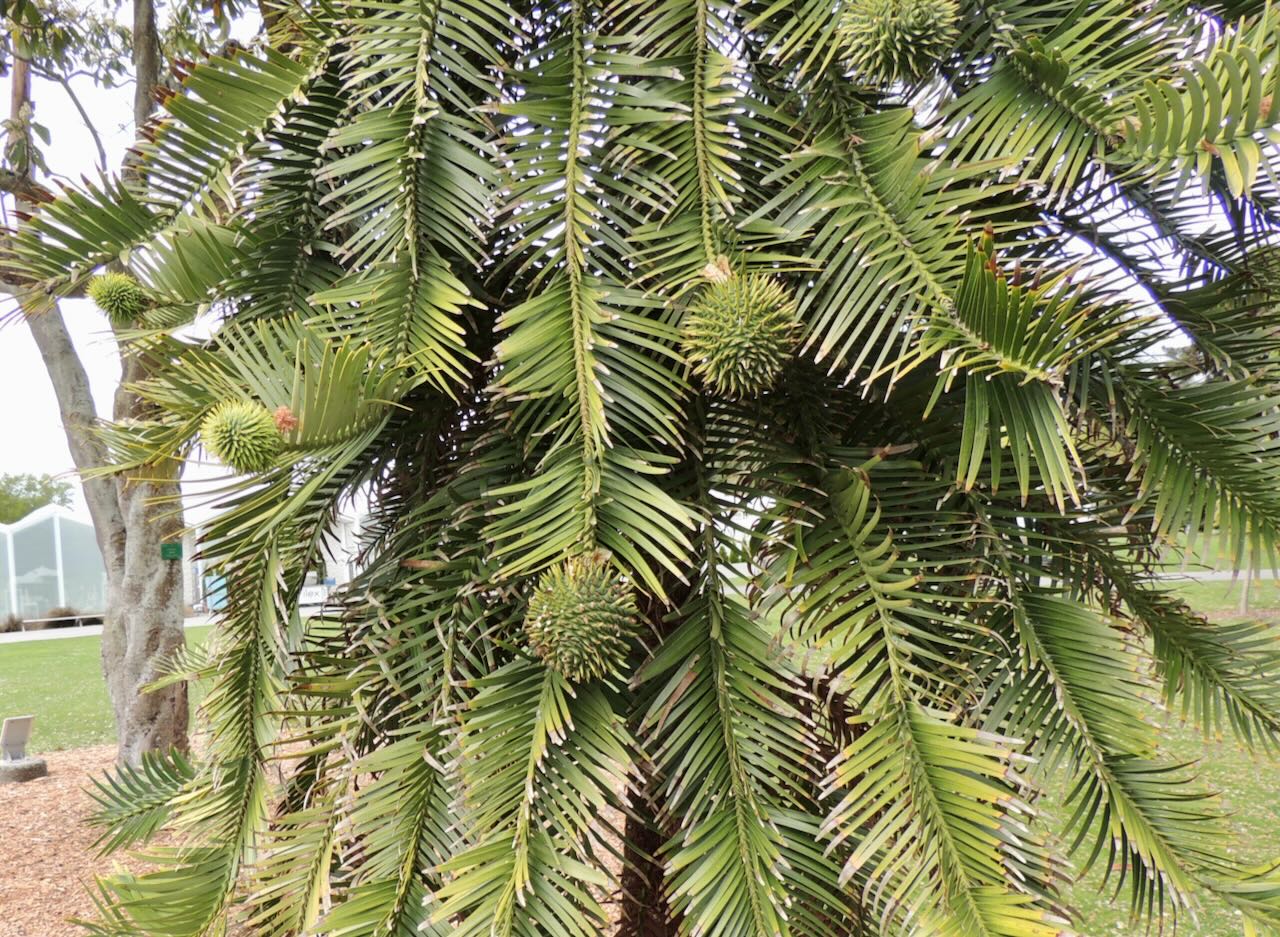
170, 551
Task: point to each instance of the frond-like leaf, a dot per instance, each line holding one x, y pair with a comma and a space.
136, 802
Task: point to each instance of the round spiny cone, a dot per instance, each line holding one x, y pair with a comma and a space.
120, 296
898, 40
581, 618
243, 435
739, 332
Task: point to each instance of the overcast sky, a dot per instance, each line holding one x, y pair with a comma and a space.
31, 436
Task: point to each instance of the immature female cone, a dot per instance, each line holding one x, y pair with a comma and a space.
898, 40
581, 618
120, 296
243, 435
739, 331
286, 420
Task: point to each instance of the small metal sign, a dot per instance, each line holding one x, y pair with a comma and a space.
170, 551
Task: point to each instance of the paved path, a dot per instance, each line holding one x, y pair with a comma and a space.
55, 634
1215, 575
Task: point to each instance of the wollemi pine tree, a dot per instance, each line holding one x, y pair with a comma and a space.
772, 443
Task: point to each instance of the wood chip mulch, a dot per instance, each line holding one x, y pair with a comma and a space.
47, 859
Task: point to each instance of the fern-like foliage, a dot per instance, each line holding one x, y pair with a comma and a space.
858, 617
136, 802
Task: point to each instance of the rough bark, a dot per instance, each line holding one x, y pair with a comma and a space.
134, 513
644, 906
147, 605
143, 623
645, 912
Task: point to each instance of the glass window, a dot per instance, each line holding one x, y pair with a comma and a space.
5, 604
35, 569
83, 576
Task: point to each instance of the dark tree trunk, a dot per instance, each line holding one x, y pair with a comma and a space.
644, 905
645, 912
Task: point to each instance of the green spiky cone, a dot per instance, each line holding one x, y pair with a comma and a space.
581, 618
898, 40
739, 332
120, 296
242, 435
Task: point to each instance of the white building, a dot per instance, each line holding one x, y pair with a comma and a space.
203, 589
50, 559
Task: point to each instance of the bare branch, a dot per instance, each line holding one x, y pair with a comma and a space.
88, 122
66, 371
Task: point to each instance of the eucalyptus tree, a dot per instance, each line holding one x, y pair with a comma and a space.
771, 443
22, 493
51, 48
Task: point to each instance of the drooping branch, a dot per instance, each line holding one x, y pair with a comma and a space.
85, 119
75, 404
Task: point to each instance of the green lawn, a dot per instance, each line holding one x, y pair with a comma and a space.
1249, 786
1250, 794
61, 683
1219, 599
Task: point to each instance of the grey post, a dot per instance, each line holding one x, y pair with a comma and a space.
14, 737
15, 764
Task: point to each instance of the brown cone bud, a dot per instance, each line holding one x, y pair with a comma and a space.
286, 422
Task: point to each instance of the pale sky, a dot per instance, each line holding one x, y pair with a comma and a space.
31, 436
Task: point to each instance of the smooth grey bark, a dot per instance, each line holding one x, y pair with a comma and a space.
146, 60
133, 513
